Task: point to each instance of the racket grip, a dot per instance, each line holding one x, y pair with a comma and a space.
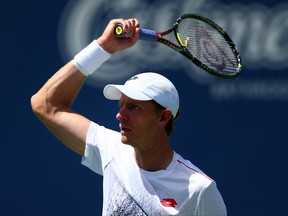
148, 35
144, 34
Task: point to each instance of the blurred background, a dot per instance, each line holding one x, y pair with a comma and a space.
235, 130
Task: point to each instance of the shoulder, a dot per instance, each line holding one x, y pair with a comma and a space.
201, 188
195, 175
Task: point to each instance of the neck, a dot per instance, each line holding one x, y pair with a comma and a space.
154, 159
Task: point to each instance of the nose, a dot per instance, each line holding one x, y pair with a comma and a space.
121, 114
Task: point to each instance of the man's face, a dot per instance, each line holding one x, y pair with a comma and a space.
139, 121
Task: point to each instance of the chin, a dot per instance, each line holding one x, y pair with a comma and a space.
125, 141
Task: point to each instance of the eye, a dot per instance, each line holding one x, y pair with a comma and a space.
133, 107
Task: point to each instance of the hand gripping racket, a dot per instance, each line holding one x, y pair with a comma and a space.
202, 41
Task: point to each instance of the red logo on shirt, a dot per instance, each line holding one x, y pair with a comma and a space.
169, 202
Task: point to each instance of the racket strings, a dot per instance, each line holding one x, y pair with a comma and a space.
208, 45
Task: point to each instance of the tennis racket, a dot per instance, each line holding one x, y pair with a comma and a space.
202, 41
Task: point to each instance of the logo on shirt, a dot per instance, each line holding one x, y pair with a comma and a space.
169, 202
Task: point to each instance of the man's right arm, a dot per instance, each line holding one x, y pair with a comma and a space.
52, 103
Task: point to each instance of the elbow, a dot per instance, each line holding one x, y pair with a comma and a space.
43, 108
38, 105
35, 104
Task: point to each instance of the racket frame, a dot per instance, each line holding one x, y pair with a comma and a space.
183, 50
151, 35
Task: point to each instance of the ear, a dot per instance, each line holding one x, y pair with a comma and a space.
166, 115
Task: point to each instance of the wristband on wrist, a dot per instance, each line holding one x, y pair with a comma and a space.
90, 58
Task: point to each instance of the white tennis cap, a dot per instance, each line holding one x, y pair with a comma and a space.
146, 86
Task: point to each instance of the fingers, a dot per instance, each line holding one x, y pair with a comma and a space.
109, 42
129, 26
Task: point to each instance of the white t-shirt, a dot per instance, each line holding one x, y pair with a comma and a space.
181, 189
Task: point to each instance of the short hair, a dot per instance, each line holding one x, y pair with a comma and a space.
170, 125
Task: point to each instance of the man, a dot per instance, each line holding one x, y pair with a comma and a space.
142, 174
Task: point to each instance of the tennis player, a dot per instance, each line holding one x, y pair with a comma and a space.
142, 174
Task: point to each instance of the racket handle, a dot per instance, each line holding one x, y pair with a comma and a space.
148, 35
144, 34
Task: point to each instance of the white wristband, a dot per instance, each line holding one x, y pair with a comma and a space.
90, 58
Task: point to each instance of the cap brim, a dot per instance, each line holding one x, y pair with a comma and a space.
114, 92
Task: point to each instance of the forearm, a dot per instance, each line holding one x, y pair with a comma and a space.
59, 91
62, 88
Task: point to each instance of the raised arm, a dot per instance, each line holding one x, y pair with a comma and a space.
52, 103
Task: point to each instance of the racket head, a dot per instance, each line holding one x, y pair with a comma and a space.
207, 45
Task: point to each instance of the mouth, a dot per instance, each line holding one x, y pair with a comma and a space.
124, 128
